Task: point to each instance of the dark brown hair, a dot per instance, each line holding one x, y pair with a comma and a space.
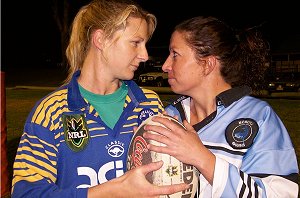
244, 55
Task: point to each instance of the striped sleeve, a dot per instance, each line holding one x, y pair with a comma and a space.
36, 161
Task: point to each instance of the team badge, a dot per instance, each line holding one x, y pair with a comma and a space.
76, 131
240, 133
144, 114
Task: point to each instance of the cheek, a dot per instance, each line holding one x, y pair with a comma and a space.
187, 73
181, 73
181, 68
120, 57
120, 51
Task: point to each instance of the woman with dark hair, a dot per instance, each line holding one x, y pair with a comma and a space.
236, 141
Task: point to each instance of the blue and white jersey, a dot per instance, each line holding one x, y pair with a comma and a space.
66, 147
254, 153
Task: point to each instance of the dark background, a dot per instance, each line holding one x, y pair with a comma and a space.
30, 37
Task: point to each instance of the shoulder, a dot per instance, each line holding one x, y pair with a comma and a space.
255, 103
149, 93
50, 103
175, 105
139, 91
58, 95
260, 110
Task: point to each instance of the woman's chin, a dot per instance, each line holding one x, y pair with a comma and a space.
128, 76
171, 82
174, 87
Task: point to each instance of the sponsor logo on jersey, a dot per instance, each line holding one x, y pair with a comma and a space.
115, 148
181, 98
88, 176
76, 131
240, 133
144, 114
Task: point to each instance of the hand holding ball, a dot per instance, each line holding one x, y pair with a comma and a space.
173, 171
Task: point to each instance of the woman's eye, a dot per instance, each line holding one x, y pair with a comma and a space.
135, 43
174, 54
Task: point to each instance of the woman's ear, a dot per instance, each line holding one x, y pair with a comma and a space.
98, 39
211, 62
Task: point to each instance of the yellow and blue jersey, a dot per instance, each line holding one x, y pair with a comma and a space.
66, 147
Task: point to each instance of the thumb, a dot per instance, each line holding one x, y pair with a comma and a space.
134, 129
188, 126
153, 166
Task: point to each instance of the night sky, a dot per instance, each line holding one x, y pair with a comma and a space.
29, 35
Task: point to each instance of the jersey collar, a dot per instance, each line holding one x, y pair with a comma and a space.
227, 97
77, 102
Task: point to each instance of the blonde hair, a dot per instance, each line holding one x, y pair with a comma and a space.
107, 15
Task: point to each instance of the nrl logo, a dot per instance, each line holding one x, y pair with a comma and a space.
76, 132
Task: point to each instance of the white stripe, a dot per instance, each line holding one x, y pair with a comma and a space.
220, 177
187, 110
224, 146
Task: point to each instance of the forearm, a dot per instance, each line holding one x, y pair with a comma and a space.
206, 164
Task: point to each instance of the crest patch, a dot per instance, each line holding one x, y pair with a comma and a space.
144, 114
76, 132
240, 133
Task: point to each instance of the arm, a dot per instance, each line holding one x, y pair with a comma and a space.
268, 168
39, 162
35, 166
134, 184
36, 173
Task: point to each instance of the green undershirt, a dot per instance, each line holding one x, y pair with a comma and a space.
109, 107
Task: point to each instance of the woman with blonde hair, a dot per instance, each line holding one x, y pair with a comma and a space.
75, 139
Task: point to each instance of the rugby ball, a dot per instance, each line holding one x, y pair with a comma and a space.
173, 171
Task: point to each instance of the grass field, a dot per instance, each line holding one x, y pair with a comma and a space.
20, 101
